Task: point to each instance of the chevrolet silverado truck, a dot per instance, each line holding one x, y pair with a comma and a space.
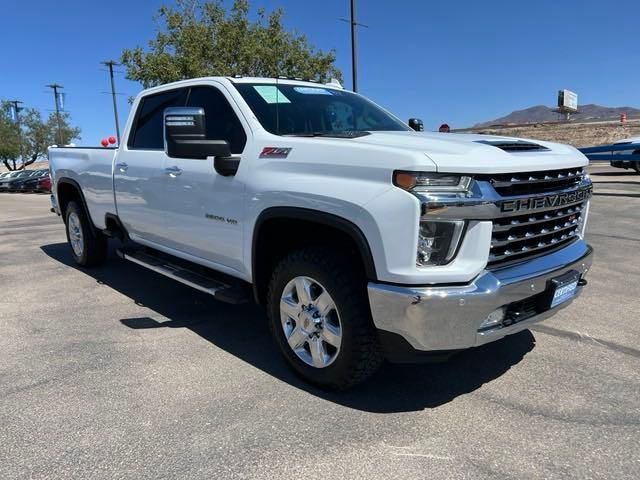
363, 238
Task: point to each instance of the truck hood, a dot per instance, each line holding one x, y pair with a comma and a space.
469, 153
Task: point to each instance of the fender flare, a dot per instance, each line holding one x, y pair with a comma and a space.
315, 216
83, 202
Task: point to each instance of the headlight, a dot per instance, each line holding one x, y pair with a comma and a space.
438, 241
431, 182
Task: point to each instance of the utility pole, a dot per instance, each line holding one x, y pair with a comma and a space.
111, 64
354, 62
17, 108
55, 87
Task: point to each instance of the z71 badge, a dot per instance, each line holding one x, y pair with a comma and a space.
275, 152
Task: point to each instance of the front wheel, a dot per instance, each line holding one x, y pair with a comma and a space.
320, 318
88, 247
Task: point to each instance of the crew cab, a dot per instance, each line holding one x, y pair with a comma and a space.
363, 238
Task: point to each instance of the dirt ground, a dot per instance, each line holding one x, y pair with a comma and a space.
576, 134
33, 166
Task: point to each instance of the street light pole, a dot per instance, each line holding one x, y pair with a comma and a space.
55, 87
111, 64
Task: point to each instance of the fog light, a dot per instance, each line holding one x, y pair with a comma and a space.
438, 242
493, 319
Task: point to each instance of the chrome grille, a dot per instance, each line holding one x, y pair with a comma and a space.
510, 184
521, 236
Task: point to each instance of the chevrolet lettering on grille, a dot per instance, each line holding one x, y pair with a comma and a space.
547, 201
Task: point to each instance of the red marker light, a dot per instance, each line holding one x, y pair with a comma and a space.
112, 140
104, 142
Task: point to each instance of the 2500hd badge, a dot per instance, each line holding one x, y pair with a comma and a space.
547, 201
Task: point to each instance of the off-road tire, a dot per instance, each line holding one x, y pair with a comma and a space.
94, 243
360, 354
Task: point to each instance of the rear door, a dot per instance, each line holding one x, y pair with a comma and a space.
204, 213
140, 179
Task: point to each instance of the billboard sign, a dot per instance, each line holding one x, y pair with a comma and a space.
13, 113
60, 97
567, 101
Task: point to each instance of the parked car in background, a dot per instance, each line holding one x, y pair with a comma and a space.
30, 184
15, 184
631, 163
44, 184
624, 153
6, 181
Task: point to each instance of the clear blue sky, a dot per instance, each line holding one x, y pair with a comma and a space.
459, 62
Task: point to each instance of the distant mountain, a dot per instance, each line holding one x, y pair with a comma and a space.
541, 113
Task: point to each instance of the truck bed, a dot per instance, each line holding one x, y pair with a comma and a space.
92, 169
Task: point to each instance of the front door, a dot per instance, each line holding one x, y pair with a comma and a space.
204, 209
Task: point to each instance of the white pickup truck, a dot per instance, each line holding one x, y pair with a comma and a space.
365, 239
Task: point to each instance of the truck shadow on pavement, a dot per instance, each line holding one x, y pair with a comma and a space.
242, 331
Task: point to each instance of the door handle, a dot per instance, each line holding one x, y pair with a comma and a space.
173, 171
123, 167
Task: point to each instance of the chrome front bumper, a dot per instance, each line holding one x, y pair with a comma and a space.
449, 317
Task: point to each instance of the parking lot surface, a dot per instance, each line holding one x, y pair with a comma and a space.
117, 372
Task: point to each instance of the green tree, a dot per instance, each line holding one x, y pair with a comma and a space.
199, 38
24, 146
9, 138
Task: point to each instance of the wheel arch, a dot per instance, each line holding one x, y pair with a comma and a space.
330, 224
67, 190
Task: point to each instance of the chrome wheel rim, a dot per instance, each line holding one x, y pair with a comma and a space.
75, 234
310, 322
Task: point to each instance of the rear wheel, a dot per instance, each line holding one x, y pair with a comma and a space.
88, 246
320, 318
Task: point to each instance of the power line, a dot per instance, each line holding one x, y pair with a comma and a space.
110, 64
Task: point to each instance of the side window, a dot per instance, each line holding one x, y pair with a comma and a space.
221, 121
148, 130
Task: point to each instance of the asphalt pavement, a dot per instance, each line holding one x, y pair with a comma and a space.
118, 372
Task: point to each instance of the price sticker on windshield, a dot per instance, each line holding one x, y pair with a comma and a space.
271, 94
313, 91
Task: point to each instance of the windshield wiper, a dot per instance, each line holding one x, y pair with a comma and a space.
343, 134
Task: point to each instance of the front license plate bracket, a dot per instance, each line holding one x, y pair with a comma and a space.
563, 288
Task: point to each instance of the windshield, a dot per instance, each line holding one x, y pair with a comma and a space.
288, 109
